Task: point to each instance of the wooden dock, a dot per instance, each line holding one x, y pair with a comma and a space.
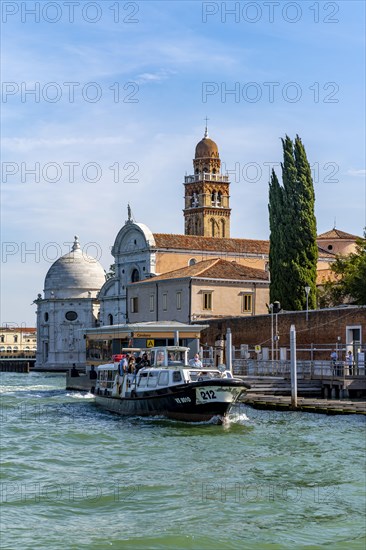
14, 366
305, 404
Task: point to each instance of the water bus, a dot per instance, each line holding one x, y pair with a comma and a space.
170, 387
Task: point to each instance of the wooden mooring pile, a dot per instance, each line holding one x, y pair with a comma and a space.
14, 366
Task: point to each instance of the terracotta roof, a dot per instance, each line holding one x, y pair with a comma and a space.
215, 268
211, 244
18, 329
337, 234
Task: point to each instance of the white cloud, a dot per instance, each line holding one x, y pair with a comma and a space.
357, 173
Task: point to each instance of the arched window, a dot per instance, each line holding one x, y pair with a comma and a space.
110, 319
213, 225
219, 198
196, 226
223, 228
135, 276
192, 261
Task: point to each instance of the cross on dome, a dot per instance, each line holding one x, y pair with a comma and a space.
206, 131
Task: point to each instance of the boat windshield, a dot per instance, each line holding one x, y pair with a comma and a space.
203, 375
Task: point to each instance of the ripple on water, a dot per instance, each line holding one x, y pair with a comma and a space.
75, 476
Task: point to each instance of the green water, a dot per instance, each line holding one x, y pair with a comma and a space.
76, 477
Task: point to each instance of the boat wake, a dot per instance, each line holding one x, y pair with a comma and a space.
80, 395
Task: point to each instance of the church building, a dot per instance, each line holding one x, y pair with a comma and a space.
77, 295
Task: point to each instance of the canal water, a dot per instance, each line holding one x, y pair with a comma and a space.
76, 477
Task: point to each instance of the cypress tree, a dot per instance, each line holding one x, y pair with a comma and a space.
293, 247
275, 244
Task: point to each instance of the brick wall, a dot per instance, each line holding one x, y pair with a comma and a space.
323, 327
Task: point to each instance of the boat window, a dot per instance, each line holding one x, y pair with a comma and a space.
176, 357
193, 375
153, 379
143, 380
159, 358
163, 378
177, 377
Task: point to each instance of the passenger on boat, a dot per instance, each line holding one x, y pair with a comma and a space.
144, 361
196, 362
122, 367
131, 364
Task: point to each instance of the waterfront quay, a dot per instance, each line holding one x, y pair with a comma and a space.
304, 404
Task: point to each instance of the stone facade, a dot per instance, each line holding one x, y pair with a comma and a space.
212, 288
207, 209
69, 305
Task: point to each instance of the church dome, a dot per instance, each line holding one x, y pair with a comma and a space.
74, 275
206, 148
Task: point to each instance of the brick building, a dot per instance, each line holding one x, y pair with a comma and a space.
341, 328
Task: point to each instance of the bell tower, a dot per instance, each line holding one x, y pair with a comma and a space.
206, 210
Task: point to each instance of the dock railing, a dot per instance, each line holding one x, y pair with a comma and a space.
305, 369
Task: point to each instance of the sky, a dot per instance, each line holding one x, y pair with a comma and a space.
103, 104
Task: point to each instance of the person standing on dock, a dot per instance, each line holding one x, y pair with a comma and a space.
349, 363
334, 358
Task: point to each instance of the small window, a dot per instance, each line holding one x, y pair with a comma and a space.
179, 300
16, 339
152, 380
165, 301
330, 247
71, 315
143, 380
46, 316
163, 378
152, 302
134, 303
247, 302
207, 300
177, 377
2, 338
192, 261
135, 277
110, 319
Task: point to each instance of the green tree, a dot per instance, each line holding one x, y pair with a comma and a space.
293, 248
112, 272
350, 275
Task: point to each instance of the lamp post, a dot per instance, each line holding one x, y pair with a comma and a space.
271, 309
307, 291
276, 310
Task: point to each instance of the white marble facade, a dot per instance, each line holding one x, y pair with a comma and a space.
68, 306
134, 261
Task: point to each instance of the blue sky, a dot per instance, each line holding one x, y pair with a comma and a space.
131, 90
